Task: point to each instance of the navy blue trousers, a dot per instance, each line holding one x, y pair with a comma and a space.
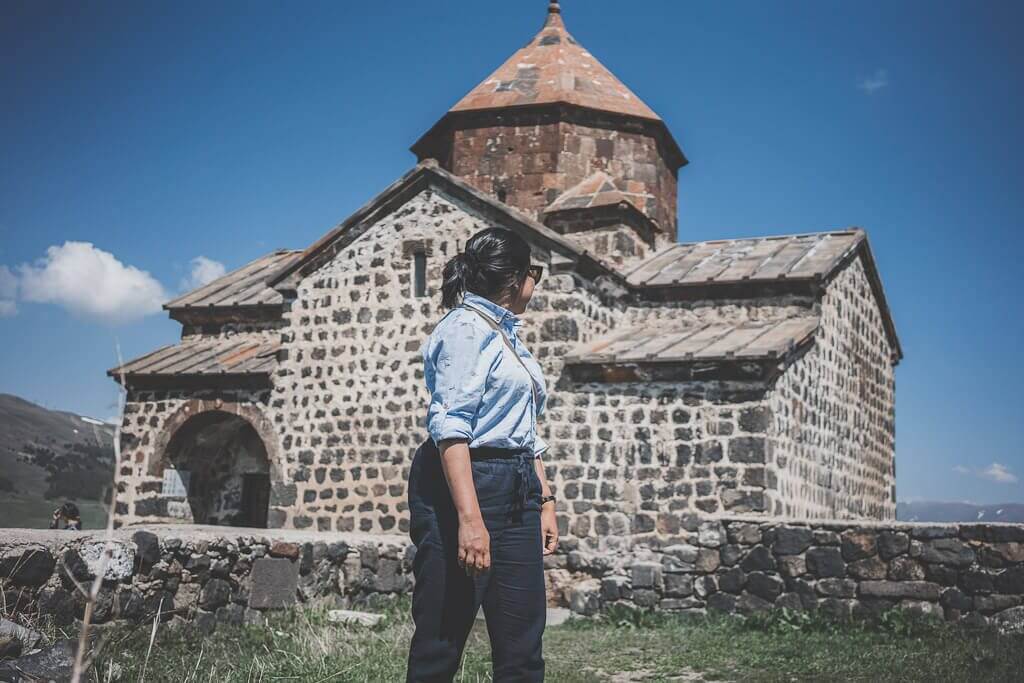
445, 599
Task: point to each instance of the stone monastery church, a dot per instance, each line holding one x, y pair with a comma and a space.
743, 376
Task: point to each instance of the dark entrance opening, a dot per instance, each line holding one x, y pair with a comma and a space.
218, 472
255, 499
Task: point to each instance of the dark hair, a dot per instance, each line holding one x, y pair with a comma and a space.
493, 263
69, 510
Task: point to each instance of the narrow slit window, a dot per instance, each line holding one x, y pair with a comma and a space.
419, 268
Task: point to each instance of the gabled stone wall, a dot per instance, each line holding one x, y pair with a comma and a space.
349, 402
833, 413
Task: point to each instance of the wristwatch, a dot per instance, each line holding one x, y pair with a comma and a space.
546, 499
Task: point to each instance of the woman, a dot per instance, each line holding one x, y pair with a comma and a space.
481, 513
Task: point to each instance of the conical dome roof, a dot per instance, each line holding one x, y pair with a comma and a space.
554, 68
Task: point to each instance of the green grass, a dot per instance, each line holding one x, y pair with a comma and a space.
303, 646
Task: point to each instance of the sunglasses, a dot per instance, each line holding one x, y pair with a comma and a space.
536, 272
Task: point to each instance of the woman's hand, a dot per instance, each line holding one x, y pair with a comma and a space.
548, 527
474, 554
474, 546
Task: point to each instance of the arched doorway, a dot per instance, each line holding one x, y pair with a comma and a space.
217, 463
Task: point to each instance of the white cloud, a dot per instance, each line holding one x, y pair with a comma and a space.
8, 292
90, 282
873, 84
960, 469
204, 271
999, 474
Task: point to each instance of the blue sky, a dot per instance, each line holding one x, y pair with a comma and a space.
164, 132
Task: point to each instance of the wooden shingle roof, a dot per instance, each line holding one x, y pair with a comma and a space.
720, 340
743, 260
240, 354
246, 286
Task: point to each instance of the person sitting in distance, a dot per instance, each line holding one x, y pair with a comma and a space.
68, 516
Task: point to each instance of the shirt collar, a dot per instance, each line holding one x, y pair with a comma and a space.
498, 314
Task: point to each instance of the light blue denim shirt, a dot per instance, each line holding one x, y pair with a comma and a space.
478, 391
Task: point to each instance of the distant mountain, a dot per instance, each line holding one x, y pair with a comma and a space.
936, 511
48, 457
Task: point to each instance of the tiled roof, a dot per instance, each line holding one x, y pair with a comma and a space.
246, 286
554, 67
748, 340
240, 354
743, 260
597, 189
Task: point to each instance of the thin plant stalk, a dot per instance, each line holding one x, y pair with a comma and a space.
97, 583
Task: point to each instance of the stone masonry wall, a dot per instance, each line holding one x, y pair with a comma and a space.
528, 162
967, 573
349, 403
347, 406
971, 574
206, 575
833, 413
152, 417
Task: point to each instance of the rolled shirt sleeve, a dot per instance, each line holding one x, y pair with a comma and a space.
460, 367
539, 445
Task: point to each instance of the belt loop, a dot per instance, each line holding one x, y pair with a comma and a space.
522, 480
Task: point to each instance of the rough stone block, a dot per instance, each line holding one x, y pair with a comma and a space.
585, 597
765, 586
1010, 621
909, 590
274, 583
1010, 580
748, 603
758, 559
950, 551
216, 593
289, 551
792, 540
857, 545
747, 449
646, 575
892, 543
793, 565
28, 567
870, 568
906, 569
744, 534
837, 588
711, 534
147, 548
115, 561
708, 560
732, 581
825, 562
678, 585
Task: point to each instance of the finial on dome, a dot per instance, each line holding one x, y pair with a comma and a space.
554, 15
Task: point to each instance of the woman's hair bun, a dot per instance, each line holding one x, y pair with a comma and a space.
492, 264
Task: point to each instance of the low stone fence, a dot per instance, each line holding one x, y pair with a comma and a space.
969, 573
201, 574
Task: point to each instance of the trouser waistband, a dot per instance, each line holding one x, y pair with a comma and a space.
520, 458
493, 452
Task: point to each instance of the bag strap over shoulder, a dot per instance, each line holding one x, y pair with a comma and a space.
508, 343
